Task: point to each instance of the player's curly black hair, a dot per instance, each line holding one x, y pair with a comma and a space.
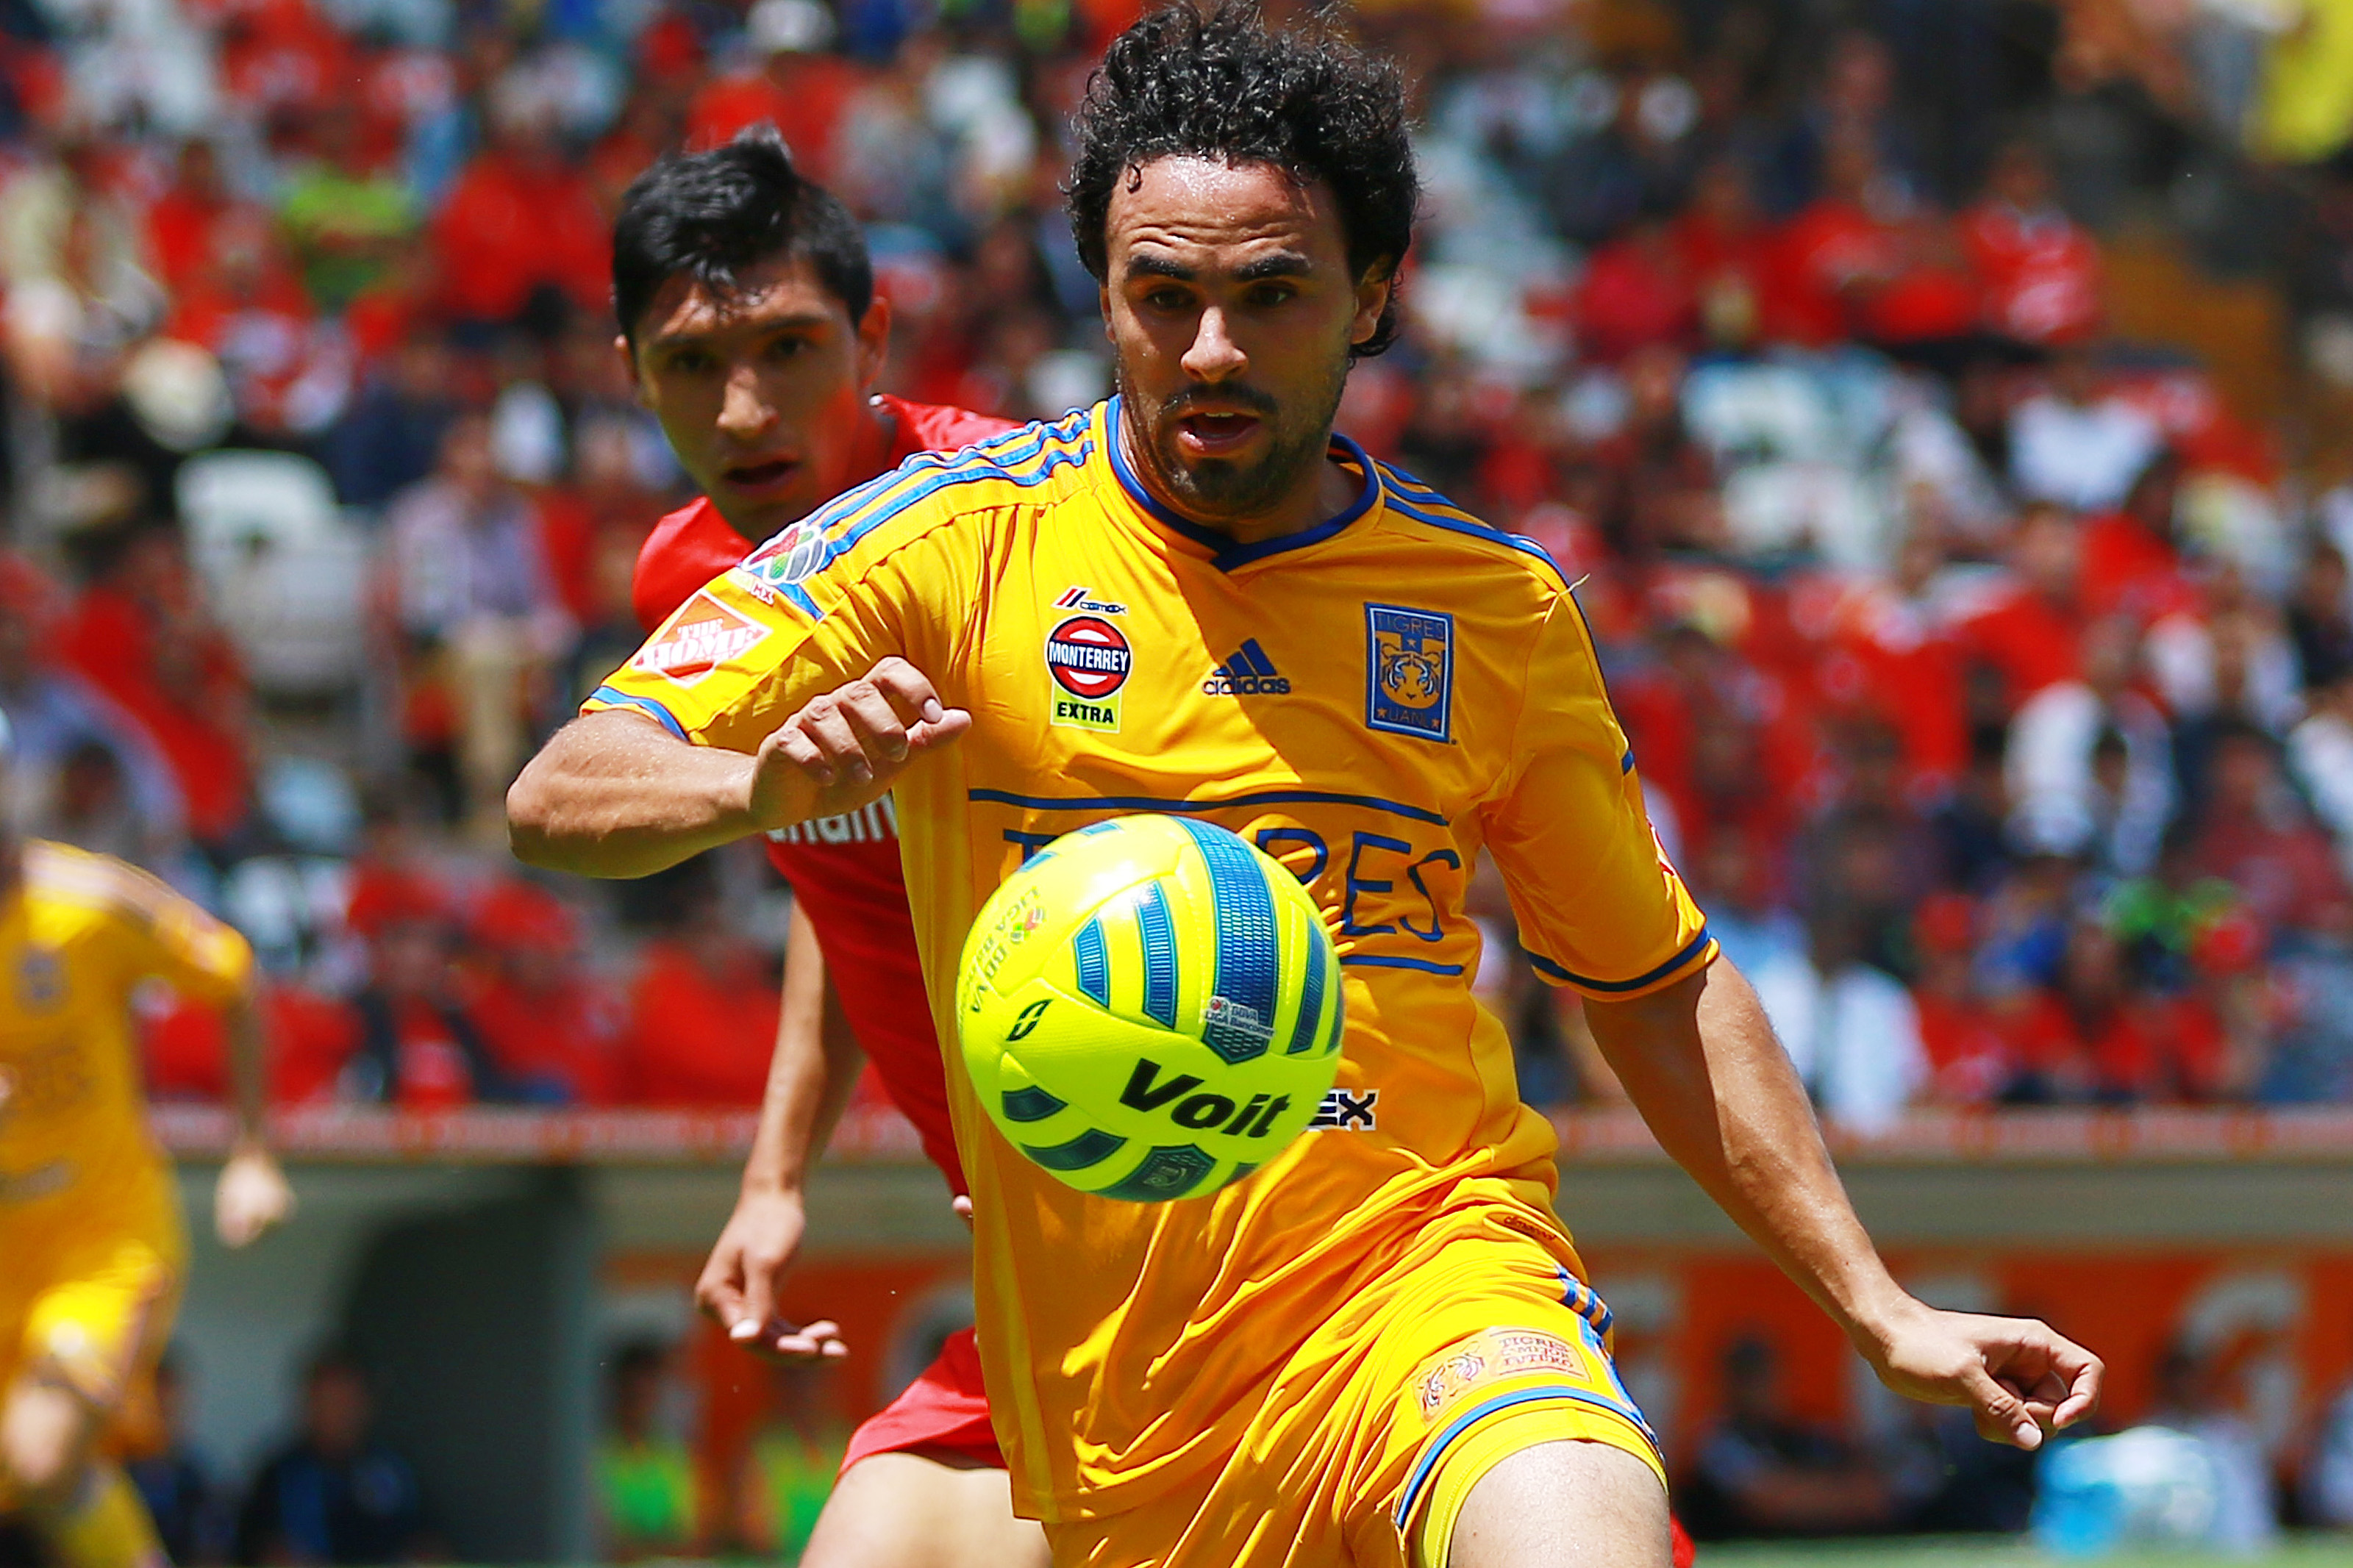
1215, 82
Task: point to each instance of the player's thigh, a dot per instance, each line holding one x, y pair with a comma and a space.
912, 1511
84, 1346
1587, 1503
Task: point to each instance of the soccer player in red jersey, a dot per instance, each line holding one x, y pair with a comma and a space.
752, 332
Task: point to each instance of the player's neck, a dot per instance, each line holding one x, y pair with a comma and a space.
1324, 491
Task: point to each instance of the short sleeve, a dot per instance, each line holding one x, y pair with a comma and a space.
174, 940
1599, 905
815, 608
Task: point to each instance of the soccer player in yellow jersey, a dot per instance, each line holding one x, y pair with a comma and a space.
1380, 1349
90, 1247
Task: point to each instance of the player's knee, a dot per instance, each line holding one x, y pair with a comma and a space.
43, 1444
1583, 1502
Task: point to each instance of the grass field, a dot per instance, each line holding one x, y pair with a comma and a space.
1962, 1552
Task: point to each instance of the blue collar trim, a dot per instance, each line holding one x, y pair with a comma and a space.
1224, 553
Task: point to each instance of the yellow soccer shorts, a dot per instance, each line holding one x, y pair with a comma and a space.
1478, 1343
91, 1310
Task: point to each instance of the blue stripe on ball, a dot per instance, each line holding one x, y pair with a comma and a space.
1091, 1147
1249, 974
1029, 1105
1159, 934
1093, 956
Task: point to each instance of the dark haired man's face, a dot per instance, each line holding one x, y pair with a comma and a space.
1231, 309
762, 390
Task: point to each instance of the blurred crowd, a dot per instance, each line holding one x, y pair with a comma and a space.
1991, 675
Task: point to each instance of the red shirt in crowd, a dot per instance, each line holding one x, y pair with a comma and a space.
117, 645
700, 1029
1635, 292
2041, 273
1820, 255
806, 108
2128, 568
513, 222
2029, 639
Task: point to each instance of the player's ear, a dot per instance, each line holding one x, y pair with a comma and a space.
873, 341
629, 366
1373, 290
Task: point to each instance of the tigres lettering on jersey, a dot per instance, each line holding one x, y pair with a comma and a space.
1372, 701
78, 935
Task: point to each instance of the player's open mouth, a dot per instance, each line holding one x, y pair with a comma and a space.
1215, 435
753, 478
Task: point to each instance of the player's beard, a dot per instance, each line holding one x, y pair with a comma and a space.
1219, 491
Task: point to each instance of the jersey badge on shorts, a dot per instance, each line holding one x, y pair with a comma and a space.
1088, 660
1410, 671
1492, 1356
703, 635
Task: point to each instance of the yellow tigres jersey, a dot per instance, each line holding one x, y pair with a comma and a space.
77, 936
1372, 701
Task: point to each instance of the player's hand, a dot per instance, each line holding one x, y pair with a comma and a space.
2020, 1378
845, 747
251, 1196
739, 1283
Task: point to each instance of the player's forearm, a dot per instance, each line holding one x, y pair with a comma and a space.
615, 795
1699, 1061
810, 1075
248, 1072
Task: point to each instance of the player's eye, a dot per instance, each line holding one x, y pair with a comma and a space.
691, 362
1168, 299
788, 348
1270, 294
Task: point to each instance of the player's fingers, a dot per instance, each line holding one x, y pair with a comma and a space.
2001, 1415
759, 1304
718, 1293
947, 728
2084, 1373
881, 729
827, 728
817, 1340
963, 1207
796, 748
908, 689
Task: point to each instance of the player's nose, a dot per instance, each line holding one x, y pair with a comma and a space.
1214, 356
743, 409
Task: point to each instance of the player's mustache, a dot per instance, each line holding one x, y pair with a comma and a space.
1218, 400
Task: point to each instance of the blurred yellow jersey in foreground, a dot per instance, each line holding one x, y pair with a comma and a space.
90, 1228
1372, 701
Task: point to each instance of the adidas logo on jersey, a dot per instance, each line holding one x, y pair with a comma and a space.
1247, 673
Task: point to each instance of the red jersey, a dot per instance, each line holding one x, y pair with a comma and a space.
844, 870
2041, 272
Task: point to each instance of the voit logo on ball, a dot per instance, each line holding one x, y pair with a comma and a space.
1088, 660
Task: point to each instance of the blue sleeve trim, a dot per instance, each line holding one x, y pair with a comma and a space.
645, 705
1551, 970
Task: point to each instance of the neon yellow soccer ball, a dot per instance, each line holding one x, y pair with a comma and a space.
1150, 1008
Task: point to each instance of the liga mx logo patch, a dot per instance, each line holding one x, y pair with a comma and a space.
1410, 671
1090, 659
